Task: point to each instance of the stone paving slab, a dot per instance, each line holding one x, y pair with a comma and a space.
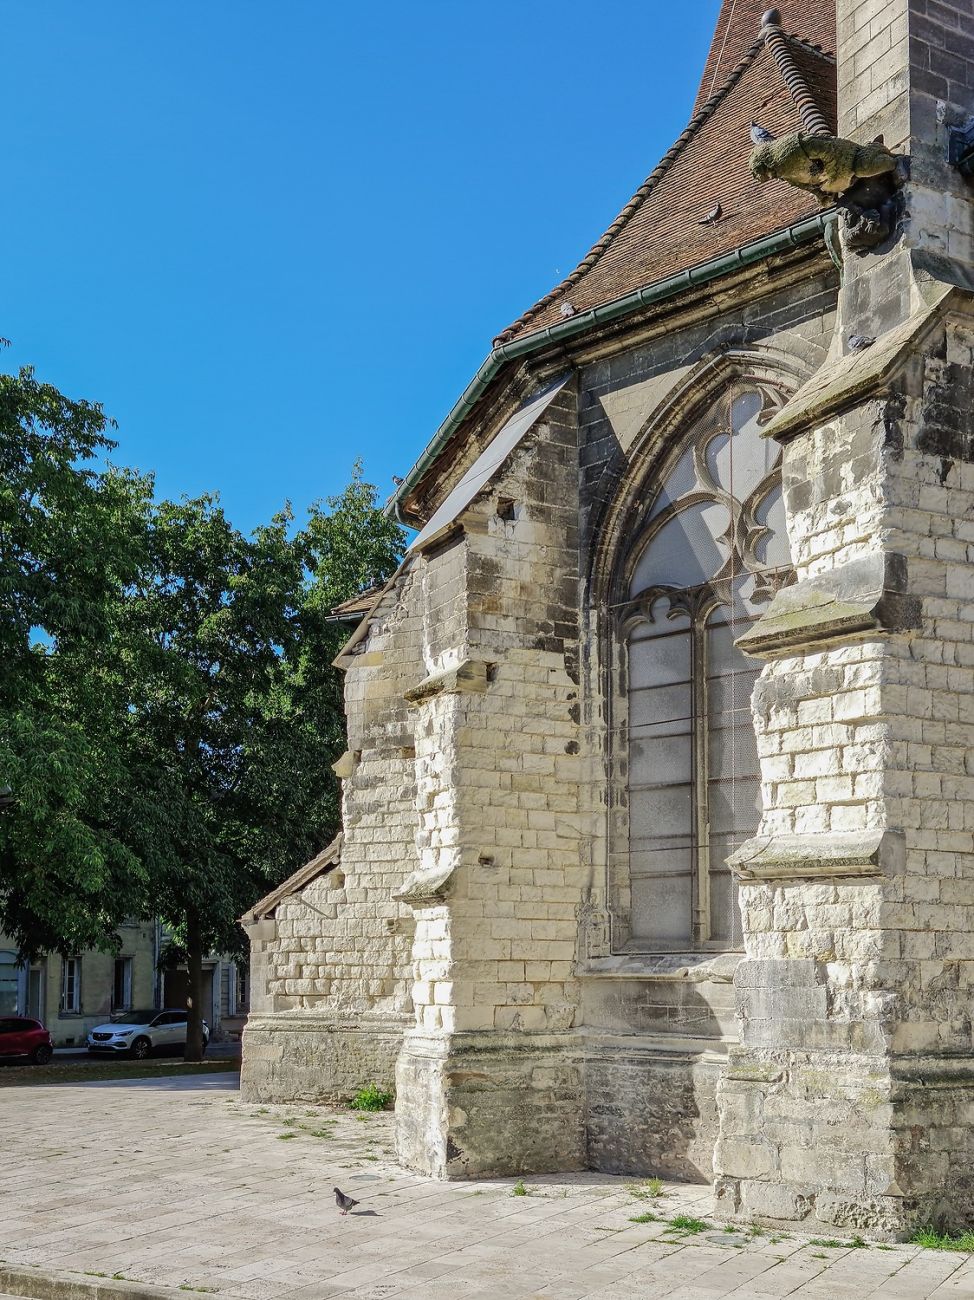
180, 1184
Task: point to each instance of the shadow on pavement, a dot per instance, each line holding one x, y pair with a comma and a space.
228, 1082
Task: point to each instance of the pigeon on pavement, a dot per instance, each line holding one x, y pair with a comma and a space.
759, 135
344, 1203
859, 342
712, 217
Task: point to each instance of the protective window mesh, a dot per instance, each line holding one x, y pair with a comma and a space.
712, 549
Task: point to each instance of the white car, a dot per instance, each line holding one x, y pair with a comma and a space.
140, 1033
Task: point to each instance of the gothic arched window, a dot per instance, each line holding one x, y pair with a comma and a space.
710, 549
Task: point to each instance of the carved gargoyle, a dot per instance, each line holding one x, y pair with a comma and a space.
861, 179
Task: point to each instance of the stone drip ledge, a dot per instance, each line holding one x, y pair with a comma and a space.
301, 1020
820, 856
909, 1071
425, 888
694, 968
40, 1284
843, 382
467, 678
604, 1045
867, 595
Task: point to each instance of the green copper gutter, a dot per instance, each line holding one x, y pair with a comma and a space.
746, 255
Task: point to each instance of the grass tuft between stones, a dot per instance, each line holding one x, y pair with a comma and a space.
931, 1239
856, 1243
371, 1097
687, 1223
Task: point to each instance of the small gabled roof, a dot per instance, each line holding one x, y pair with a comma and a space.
326, 860
659, 231
351, 611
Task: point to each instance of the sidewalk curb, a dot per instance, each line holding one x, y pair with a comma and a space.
39, 1284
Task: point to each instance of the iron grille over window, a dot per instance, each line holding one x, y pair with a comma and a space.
711, 548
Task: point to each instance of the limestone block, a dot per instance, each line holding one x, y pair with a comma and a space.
773, 1201
741, 1159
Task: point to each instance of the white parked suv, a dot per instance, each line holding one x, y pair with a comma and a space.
140, 1033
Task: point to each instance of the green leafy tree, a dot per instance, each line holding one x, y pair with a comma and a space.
205, 629
349, 546
236, 714
71, 538
168, 706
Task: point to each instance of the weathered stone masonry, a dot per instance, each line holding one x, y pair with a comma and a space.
851, 1094
330, 967
475, 943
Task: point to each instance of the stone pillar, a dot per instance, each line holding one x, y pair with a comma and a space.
851, 1097
489, 1078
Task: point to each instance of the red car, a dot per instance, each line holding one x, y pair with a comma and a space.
22, 1037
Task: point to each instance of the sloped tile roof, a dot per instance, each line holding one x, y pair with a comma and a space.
350, 611
737, 28
659, 233
326, 860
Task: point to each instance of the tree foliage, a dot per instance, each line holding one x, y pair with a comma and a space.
238, 714
168, 706
71, 539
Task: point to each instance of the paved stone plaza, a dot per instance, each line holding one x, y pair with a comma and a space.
180, 1184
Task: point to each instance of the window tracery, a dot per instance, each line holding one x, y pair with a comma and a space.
710, 550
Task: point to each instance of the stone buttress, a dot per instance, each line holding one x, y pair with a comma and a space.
850, 1098
489, 1077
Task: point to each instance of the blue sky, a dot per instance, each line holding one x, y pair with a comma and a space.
272, 235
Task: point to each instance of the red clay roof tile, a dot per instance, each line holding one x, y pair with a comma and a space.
658, 232
737, 28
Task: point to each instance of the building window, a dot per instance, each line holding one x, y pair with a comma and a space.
35, 993
710, 549
9, 983
242, 999
71, 985
122, 984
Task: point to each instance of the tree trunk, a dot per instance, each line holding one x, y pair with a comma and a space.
194, 999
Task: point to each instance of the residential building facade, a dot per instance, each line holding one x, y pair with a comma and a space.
71, 995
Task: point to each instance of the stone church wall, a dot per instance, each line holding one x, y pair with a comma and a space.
657, 1030
478, 934
488, 1078
334, 981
